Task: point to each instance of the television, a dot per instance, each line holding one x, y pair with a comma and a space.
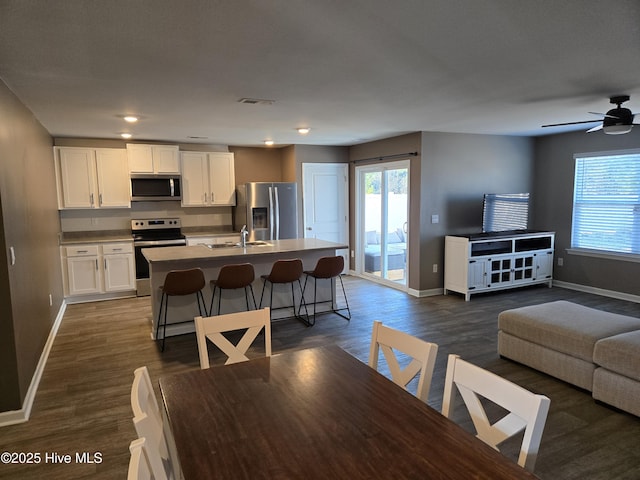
505, 211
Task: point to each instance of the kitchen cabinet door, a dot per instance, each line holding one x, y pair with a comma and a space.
195, 179
153, 159
119, 272
84, 275
222, 178
76, 182
114, 186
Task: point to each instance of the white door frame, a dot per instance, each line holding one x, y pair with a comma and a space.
359, 233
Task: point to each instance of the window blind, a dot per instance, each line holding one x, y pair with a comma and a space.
606, 203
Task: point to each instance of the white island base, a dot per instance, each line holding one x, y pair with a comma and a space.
211, 260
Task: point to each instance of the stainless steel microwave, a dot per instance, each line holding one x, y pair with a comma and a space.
156, 188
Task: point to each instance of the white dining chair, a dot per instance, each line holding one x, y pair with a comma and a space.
212, 329
141, 463
151, 424
422, 353
526, 411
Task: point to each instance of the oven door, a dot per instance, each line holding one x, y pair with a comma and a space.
143, 286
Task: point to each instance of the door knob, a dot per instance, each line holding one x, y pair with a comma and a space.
309, 228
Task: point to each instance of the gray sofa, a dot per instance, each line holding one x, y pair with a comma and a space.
396, 251
594, 350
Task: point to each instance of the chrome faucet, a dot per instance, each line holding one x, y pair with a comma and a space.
243, 236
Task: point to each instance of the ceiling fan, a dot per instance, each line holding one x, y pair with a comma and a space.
616, 121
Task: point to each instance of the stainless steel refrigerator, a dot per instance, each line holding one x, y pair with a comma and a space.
268, 209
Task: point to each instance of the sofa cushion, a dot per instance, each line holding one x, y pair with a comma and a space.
620, 353
564, 326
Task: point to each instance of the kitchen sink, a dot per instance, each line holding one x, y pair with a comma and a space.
257, 243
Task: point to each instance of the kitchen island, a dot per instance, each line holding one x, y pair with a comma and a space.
212, 258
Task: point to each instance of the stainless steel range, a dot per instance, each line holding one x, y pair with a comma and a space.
153, 233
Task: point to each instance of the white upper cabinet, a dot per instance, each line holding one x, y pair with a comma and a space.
208, 179
92, 178
153, 159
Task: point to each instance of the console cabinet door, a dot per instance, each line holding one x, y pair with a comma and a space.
477, 274
544, 265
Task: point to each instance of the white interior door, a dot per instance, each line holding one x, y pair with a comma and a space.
325, 193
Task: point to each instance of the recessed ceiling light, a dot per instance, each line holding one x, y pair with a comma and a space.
303, 130
125, 135
268, 142
130, 118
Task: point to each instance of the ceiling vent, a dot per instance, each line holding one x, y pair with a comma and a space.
256, 101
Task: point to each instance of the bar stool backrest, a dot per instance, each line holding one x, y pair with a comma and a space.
183, 282
328, 267
236, 276
286, 271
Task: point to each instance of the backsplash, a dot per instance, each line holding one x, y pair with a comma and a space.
120, 219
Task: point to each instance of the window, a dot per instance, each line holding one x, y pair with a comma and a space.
606, 202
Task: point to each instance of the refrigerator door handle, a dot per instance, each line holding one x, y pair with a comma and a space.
277, 213
271, 216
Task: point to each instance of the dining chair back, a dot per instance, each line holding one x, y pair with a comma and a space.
422, 354
144, 464
526, 411
233, 277
212, 329
150, 424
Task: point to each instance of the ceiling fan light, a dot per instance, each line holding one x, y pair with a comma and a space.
616, 129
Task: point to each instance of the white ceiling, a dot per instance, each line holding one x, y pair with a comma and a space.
352, 70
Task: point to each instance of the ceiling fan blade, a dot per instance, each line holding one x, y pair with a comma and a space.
570, 123
604, 115
595, 129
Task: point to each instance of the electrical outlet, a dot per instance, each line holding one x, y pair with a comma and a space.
353, 254
50, 300
560, 261
435, 268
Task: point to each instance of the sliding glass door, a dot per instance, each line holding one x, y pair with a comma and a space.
383, 206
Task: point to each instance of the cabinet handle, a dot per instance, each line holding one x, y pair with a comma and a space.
105, 263
205, 197
213, 198
82, 251
117, 249
91, 199
100, 199
96, 264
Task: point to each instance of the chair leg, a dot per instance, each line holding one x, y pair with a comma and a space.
212, 299
159, 316
345, 301
164, 325
308, 321
199, 299
264, 285
255, 307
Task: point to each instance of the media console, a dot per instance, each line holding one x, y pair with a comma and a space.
483, 262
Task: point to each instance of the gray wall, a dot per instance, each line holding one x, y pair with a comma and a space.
29, 223
554, 171
448, 179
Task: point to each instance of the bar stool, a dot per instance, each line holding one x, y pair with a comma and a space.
283, 272
232, 277
328, 268
180, 283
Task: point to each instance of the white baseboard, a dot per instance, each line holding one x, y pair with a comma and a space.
597, 291
22, 415
425, 293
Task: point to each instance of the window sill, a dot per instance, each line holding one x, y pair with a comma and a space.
586, 252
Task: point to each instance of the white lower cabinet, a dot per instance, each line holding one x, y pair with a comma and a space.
95, 269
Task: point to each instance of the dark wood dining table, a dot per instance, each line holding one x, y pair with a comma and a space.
316, 414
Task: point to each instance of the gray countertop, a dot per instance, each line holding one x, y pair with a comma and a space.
201, 252
100, 236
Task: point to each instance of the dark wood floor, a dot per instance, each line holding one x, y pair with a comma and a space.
83, 402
